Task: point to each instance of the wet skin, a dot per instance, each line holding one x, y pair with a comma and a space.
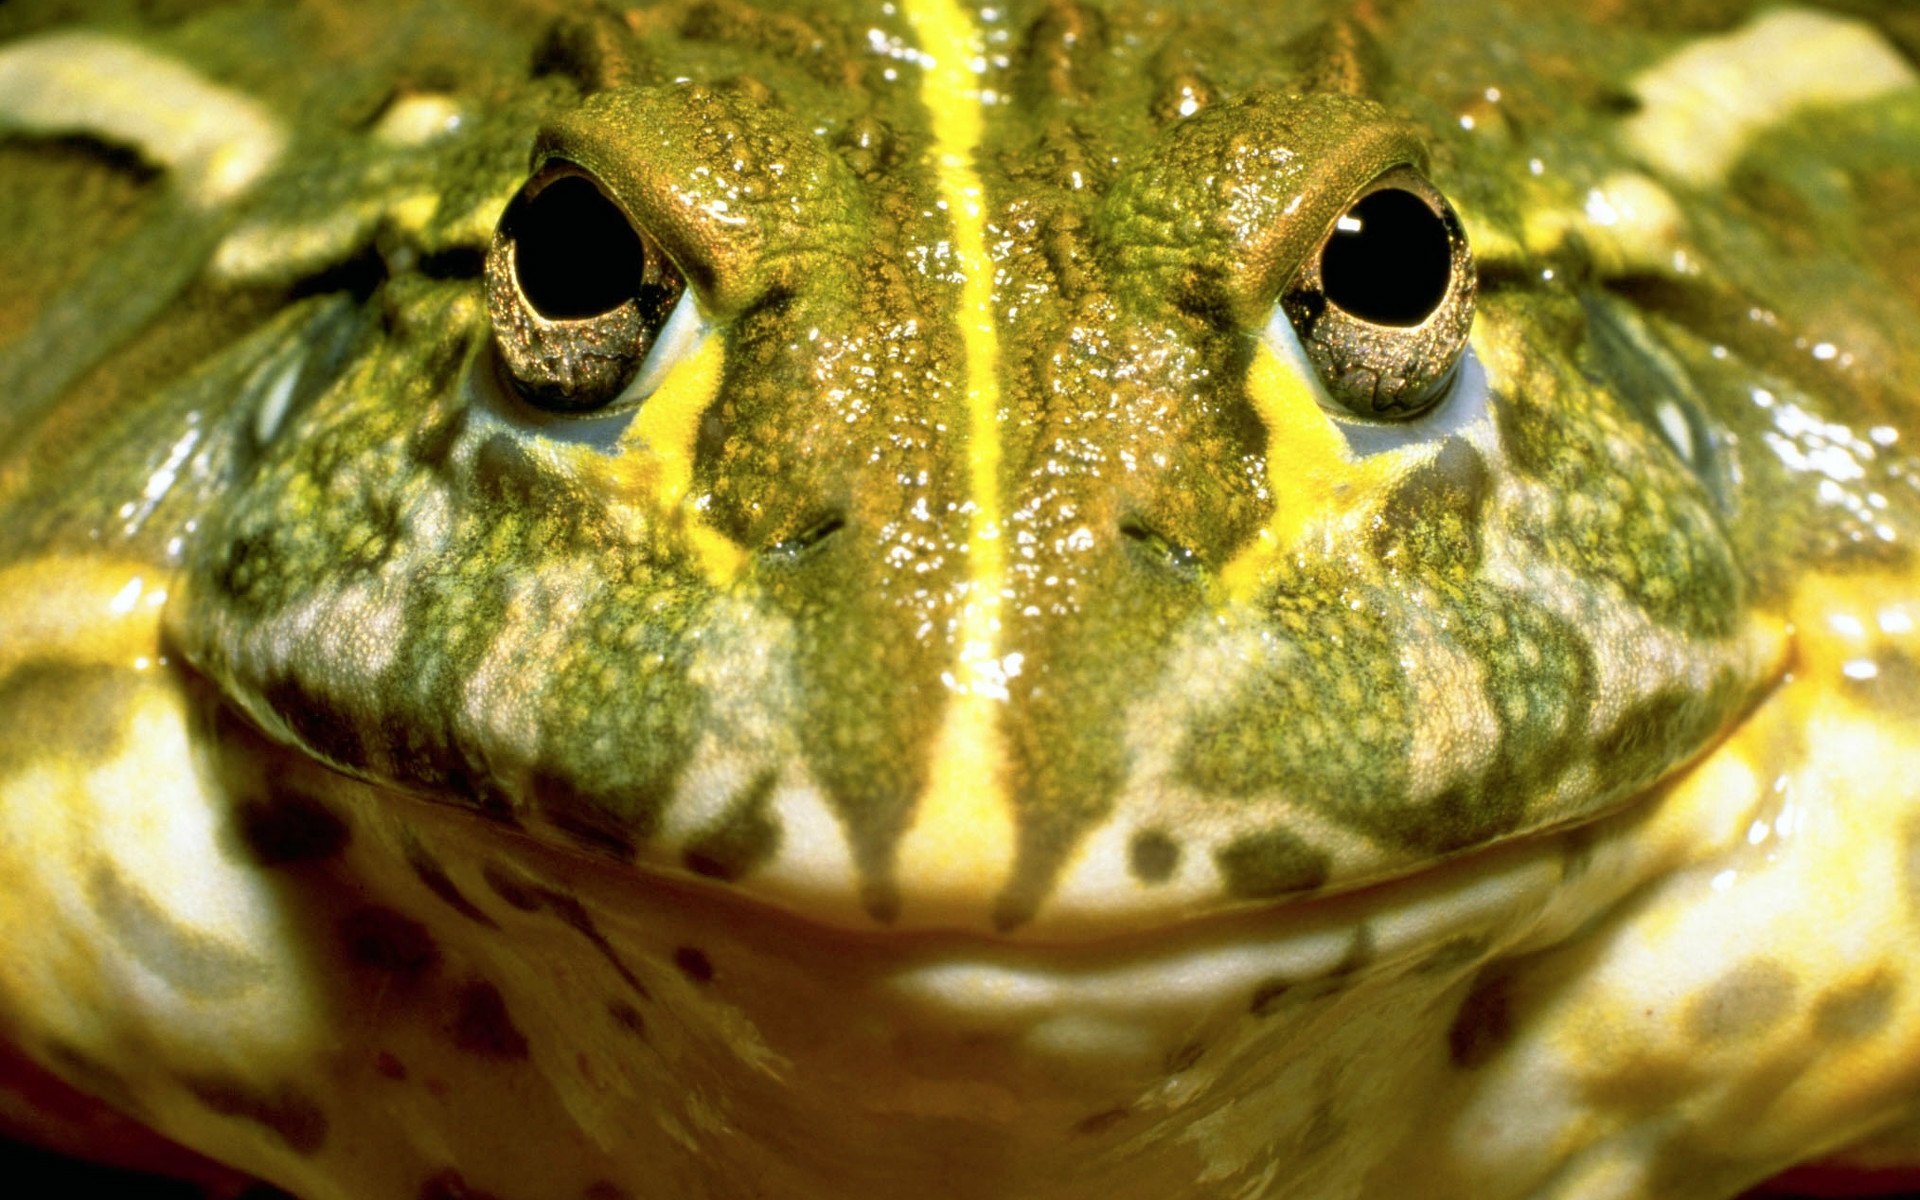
1211, 601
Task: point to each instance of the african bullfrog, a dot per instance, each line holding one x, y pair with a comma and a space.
1025, 599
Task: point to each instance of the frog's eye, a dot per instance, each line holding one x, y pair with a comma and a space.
587, 312
1383, 307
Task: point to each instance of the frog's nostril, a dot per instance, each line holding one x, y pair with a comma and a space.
1159, 546
809, 538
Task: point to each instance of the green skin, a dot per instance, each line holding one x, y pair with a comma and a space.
1150, 282
407, 491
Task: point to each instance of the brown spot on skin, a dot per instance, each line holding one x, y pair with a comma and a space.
1153, 856
1184, 1058
1454, 953
386, 941
604, 1190
1261, 866
1484, 1024
578, 919
434, 876
451, 1185
290, 1115
389, 1067
1859, 1010
627, 1017
1267, 996
1323, 1129
290, 828
482, 1025
693, 964
1745, 1001
516, 894
1100, 1122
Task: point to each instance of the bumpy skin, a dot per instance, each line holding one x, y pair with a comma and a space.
985, 726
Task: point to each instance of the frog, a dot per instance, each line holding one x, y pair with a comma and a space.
969, 598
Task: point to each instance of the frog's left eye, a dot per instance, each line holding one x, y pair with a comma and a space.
1383, 307
587, 311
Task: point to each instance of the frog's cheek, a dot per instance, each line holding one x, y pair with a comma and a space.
1328, 474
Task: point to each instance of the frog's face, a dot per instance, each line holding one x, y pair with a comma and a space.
704, 599
941, 514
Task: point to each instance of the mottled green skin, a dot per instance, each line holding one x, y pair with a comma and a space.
410, 532
405, 792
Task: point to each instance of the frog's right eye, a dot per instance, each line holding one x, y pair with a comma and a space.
587, 312
1382, 309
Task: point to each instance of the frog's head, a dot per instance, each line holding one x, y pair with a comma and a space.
1043, 523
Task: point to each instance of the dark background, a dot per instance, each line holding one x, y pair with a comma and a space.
58, 1176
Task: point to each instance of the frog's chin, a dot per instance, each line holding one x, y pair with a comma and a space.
1389, 946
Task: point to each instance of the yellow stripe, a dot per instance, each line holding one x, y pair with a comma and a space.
1703, 105
665, 430
103, 611
218, 141
1319, 486
960, 848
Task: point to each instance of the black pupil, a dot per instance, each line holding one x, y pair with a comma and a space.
1388, 260
574, 253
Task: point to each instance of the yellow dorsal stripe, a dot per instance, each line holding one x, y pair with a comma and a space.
960, 847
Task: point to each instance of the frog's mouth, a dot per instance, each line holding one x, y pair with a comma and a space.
1092, 993
1431, 929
